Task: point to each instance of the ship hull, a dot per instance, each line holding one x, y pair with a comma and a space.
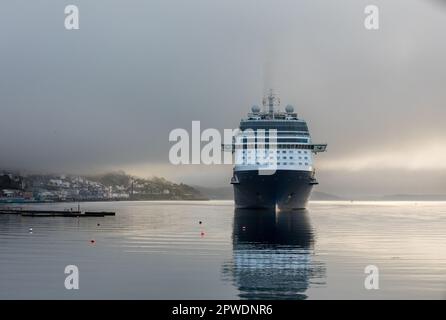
285, 189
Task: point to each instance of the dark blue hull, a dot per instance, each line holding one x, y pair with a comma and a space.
286, 189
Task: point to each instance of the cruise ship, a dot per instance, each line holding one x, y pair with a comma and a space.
273, 156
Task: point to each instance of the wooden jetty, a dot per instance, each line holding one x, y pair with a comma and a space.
56, 213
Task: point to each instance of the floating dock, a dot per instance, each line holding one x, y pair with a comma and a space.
56, 213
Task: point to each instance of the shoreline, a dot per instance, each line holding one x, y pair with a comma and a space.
344, 202
94, 200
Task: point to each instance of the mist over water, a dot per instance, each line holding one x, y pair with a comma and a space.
159, 250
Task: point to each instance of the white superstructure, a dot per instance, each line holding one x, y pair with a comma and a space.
272, 139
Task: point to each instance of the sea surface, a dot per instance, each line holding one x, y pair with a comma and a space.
159, 250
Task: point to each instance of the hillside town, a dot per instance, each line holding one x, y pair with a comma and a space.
17, 188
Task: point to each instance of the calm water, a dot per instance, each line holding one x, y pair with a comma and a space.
158, 250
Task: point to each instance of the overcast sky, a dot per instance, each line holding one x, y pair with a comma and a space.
105, 97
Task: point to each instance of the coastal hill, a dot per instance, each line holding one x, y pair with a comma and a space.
148, 189
105, 187
9, 181
414, 197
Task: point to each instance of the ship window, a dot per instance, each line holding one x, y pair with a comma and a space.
306, 158
283, 151
300, 163
306, 163
284, 163
284, 157
291, 157
288, 139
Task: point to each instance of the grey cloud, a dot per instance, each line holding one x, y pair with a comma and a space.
107, 95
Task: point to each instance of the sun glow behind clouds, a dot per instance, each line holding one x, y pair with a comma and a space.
429, 155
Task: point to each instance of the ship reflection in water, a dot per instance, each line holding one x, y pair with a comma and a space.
273, 255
